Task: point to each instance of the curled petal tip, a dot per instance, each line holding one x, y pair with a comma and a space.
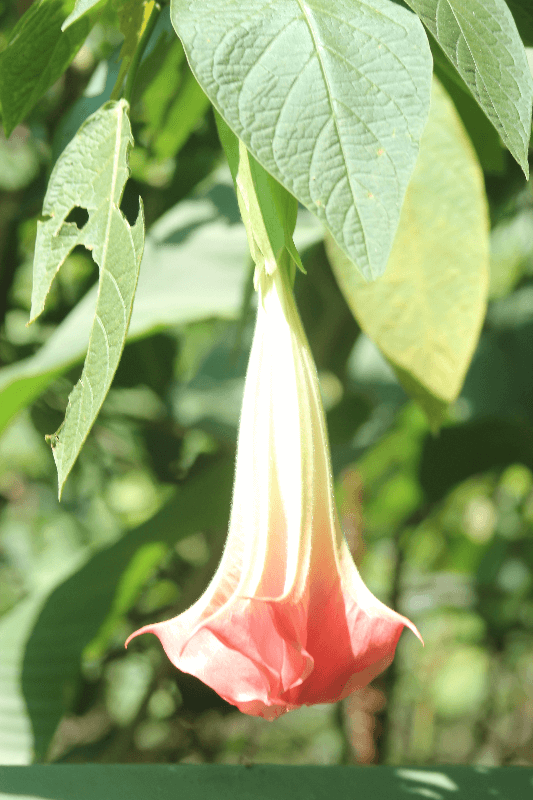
412, 627
145, 629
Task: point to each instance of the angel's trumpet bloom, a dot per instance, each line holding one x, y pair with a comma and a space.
287, 620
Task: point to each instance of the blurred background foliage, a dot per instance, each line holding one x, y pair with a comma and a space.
440, 526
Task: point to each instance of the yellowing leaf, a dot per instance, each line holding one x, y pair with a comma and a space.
425, 313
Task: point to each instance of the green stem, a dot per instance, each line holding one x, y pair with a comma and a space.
139, 52
137, 58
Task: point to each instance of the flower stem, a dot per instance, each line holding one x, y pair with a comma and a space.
139, 52
137, 58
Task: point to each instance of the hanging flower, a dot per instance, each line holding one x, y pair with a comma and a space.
287, 620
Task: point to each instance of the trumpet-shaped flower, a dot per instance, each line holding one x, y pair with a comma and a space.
286, 620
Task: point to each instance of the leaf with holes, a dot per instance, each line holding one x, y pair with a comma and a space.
426, 312
91, 174
330, 96
481, 40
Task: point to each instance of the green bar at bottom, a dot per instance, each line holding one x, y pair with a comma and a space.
263, 782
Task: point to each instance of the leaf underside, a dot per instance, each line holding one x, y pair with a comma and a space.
481, 40
91, 173
330, 96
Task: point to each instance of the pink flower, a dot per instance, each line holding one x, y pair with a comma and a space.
287, 620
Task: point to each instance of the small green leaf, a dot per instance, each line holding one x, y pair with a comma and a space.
481, 40
425, 313
330, 97
36, 56
91, 173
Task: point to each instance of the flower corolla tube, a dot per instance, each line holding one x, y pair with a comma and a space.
286, 620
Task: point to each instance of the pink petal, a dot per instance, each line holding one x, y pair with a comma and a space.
249, 653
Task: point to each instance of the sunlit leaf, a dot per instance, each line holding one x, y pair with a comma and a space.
91, 174
481, 40
425, 313
330, 96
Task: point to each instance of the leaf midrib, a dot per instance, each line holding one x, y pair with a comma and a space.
114, 174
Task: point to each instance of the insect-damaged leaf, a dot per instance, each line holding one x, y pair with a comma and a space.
91, 173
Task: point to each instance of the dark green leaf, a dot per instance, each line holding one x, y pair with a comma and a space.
330, 96
500, 380
481, 40
36, 56
74, 612
182, 117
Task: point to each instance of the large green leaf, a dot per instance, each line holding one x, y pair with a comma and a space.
481, 40
74, 612
36, 56
482, 133
91, 174
43, 637
426, 312
330, 96
16, 739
